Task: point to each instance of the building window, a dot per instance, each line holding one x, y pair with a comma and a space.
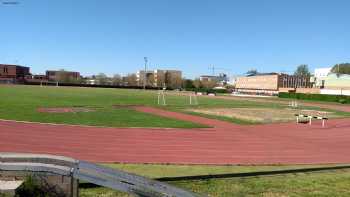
5, 70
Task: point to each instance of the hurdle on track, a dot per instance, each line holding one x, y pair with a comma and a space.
310, 118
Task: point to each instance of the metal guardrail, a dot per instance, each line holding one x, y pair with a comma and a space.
92, 173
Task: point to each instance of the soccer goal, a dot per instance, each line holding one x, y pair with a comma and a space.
193, 99
176, 98
293, 104
161, 97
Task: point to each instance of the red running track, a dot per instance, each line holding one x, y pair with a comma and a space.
226, 143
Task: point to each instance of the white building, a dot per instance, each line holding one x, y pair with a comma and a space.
221, 79
322, 72
320, 75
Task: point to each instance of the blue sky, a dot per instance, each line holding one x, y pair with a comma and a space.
113, 36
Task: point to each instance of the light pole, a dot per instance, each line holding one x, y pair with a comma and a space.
144, 73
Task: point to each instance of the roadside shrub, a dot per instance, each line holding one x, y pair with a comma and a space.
208, 90
30, 187
37, 187
342, 101
222, 91
316, 97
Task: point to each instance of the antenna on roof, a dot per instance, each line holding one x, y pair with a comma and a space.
213, 68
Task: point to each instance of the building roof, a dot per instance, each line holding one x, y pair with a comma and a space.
208, 76
13, 65
262, 74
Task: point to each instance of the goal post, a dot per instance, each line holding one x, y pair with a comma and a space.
193, 99
161, 97
175, 98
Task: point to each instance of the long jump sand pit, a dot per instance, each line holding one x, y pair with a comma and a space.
262, 115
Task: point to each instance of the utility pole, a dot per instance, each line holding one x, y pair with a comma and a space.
144, 74
338, 69
213, 69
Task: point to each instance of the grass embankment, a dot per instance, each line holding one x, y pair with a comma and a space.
327, 183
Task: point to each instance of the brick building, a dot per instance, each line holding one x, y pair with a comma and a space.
62, 76
13, 73
271, 83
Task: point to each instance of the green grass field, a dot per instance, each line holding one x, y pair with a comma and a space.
22, 102
327, 183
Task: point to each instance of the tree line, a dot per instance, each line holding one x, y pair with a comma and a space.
303, 70
176, 82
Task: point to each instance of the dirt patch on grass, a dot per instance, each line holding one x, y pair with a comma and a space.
64, 109
262, 115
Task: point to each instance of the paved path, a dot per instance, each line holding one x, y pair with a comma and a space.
224, 144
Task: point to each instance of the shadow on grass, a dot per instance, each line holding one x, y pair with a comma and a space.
237, 175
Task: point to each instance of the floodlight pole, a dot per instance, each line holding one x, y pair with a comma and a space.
338, 69
144, 74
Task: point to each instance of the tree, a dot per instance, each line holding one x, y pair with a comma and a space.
209, 84
173, 80
130, 80
102, 79
302, 70
63, 76
187, 83
117, 79
252, 72
343, 68
197, 83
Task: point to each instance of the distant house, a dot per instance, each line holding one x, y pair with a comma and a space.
13, 73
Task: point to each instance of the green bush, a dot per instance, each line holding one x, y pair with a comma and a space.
207, 90
33, 187
30, 187
316, 97
342, 101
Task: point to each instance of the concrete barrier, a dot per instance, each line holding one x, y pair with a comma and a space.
65, 173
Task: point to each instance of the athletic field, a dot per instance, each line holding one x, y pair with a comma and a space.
129, 127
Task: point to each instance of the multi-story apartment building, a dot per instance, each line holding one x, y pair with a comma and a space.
160, 78
147, 76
